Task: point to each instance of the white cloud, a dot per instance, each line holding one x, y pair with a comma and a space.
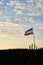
1, 12
19, 6
28, 1
35, 7
40, 3
7, 8
11, 3
31, 20
18, 11
9, 28
8, 19
8, 3
11, 24
1, 2
25, 18
34, 14
39, 25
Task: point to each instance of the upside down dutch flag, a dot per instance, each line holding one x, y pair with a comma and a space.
29, 32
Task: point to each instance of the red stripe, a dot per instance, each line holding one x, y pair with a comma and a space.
29, 33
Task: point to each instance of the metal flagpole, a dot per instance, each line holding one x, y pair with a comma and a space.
34, 40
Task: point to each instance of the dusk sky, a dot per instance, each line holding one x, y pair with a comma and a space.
17, 16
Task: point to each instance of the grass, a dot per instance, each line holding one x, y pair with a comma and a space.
21, 57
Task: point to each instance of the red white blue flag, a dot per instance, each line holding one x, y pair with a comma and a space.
29, 32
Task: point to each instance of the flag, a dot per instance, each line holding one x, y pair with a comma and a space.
29, 32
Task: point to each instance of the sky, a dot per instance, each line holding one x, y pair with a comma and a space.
17, 16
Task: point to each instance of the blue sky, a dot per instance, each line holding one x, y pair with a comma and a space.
17, 16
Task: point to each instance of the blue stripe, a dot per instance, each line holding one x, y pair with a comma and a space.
29, 30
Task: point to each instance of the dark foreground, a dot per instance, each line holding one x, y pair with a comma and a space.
21, 57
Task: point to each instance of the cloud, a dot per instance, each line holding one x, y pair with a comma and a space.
14, 8
11, 24
30, 19
1, 2
1, 23
30, 8
18, 11
35, 7
34, 14
25, 18
8, 19
5, 18
7, 8
39, 25
10, 3
19, 6
1, 12
9, 28
40, 3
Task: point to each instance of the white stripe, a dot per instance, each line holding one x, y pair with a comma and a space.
29, 32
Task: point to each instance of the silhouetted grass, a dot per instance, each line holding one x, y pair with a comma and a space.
21, 57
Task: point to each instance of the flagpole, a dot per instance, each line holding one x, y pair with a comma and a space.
29, 32
34, 40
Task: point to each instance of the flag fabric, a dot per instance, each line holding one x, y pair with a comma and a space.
29, 32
